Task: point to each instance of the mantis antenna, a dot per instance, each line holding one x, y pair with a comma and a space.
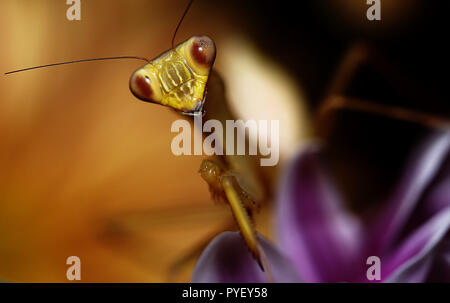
76, 61
181, 21
106, 58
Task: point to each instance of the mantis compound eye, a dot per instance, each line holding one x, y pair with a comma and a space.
145, 85
200, 53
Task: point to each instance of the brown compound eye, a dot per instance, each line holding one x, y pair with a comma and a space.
203, 50
201, 53
145, 86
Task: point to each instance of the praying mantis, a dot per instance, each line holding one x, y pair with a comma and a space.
196, 108
178, 79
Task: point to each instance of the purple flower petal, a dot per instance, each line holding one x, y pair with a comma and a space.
421, 171
437, 197
227, 259
412, 261
425, 254
321, 238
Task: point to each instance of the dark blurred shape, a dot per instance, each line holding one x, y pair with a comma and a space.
311, 38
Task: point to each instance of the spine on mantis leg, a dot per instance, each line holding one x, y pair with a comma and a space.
245, 224
242, 218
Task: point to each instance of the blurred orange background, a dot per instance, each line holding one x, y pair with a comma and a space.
77, 149
86, 169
